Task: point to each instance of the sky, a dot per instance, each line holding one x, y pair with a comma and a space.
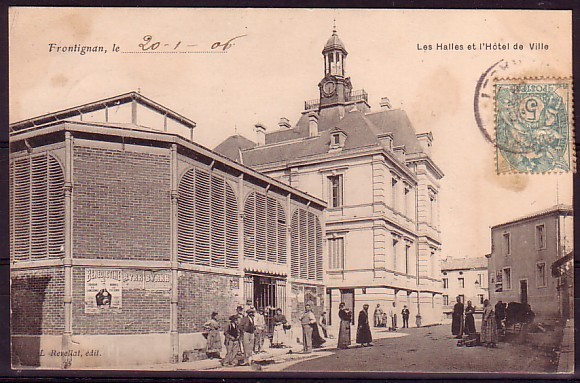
276, 65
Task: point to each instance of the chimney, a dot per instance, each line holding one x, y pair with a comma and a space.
386, 139
313, 124
426, 141
284, 123
260, 134
400, 152
385, 103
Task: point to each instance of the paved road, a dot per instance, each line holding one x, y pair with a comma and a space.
429, 349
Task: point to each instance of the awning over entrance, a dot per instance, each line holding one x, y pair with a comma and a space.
265, 268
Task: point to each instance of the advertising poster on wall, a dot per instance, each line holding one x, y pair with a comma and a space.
103, 290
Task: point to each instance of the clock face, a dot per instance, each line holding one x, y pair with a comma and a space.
328, 88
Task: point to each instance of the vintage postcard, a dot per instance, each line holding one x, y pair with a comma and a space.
300, 190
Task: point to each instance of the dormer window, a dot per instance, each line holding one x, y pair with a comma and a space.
337, 139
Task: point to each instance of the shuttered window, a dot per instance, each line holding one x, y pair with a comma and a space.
37, 210
306, 246
207, 220
264, 229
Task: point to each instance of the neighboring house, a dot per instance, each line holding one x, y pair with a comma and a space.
524, 265
465, 278
125, 235
381, 185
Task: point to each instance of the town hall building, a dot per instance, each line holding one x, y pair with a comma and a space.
381, 185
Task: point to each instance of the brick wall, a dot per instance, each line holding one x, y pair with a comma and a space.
142, 312
37, 301
121, 204
199, 295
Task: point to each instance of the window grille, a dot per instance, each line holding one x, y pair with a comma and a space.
207, 219
37, 216
264, 229
306, 246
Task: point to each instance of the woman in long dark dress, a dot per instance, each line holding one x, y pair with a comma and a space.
363, 332
317, 340
469, 320
344, 332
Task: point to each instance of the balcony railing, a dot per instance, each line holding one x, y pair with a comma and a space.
312, 104
354, 96
358, 95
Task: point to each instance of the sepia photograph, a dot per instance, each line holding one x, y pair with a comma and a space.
291, 190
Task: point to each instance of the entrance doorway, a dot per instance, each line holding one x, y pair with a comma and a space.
524, 291
266, 292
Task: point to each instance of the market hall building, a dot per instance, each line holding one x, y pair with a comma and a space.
382, 188
125, 236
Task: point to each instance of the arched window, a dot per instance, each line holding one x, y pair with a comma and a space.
37, 216
306, 246
207, 220
264, 229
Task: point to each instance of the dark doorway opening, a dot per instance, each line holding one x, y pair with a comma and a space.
524, 291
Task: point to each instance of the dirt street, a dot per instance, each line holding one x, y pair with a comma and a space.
430, 349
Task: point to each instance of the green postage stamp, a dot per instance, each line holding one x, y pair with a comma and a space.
534, 125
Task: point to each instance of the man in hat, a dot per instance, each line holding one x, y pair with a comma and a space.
307, 319
248, 329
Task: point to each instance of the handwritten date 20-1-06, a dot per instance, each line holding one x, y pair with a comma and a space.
150, 44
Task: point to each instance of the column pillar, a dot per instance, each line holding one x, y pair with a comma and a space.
173, 313
241, 237
288, 309
66, 361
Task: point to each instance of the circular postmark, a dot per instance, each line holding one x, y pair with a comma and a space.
483, 99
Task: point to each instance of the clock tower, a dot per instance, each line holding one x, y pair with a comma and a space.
334, 88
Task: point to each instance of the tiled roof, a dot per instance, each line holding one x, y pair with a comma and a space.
463, 263
233, 145
361, 131
562, 208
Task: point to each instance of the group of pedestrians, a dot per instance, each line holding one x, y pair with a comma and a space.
244, 335
463, 322
381, 318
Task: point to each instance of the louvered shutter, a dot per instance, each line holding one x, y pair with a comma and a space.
186, 218
271, 227
319, 253
207, 220
55, 209
37, 211
21, 209
303, 244
202, 218
261, 225
218, 225
306, 246
295, 245
231, 218
281, 225
250, 226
